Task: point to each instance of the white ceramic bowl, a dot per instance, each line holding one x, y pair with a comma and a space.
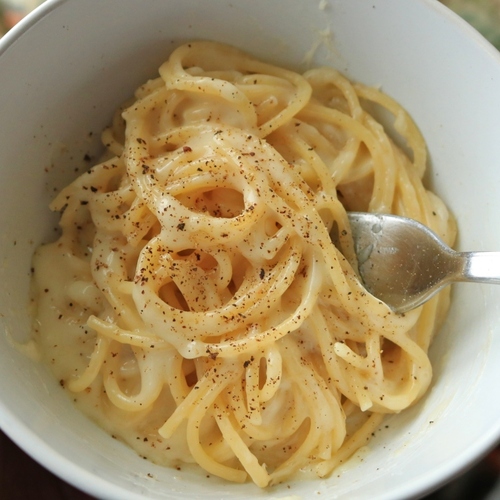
68, 65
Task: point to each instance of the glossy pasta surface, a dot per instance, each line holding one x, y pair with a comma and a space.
195, 305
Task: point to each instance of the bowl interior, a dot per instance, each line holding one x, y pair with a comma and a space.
68, 65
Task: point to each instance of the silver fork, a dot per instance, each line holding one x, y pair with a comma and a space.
403, 263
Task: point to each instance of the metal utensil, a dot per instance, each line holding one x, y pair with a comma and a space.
403, 263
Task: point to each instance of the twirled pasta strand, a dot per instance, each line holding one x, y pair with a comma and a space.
200, 290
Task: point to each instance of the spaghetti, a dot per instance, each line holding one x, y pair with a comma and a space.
198, 308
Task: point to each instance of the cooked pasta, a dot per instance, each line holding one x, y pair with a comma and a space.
194, 303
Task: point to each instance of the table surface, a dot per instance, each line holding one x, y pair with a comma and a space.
21, 478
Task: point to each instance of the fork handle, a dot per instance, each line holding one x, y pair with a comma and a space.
480, 267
